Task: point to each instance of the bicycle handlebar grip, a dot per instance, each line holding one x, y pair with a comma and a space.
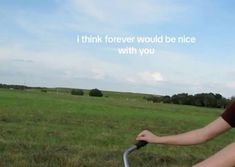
141, 143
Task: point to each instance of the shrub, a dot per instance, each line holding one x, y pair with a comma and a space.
44, 90
95, 92
153, 98
77, 92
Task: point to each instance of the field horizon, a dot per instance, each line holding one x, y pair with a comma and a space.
59, 129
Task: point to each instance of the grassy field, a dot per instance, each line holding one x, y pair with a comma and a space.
58, 129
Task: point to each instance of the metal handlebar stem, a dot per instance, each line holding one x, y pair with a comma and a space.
131, 149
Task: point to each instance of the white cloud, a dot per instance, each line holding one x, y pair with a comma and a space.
146, 78
90, 16
60, 63
74, 66
151, 76
122, 12
231, 84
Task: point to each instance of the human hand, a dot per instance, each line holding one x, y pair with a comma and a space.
147, 136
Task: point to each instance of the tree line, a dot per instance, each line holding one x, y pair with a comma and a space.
201, 99
19, 87
93, 92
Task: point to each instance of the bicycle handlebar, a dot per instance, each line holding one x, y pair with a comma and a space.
136, 146
141, 143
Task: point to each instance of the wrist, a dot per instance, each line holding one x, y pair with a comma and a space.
159, 140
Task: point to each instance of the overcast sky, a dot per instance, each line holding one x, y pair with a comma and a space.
38, 45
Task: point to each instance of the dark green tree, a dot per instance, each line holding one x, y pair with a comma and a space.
77, 92
166, 99
95, 92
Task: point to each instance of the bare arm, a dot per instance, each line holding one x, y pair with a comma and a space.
189, 138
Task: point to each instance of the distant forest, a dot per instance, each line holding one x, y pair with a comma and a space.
20, 87
201, 99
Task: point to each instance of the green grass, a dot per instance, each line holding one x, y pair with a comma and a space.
58, 129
